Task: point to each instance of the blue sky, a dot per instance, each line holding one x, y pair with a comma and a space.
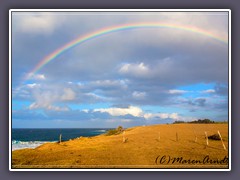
129, 78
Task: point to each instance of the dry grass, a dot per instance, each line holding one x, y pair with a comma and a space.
139, 151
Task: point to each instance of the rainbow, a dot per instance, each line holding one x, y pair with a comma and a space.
113, 29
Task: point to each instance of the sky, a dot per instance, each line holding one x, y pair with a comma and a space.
131, 77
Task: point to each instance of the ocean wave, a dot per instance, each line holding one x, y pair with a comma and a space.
102, 130
26, 144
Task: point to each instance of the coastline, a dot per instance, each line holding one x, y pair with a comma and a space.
140, 150
31, 138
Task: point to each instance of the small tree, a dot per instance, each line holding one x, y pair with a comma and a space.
118, 130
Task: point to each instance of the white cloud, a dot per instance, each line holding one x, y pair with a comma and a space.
138, 112
105, 82
209, 91
36, 76
42, 23
85, 110
47, 98
33, 85
177, 91
109, 83
95, 96
69, 94
138, 70
132, 110
139, 95
48, 107
174, 116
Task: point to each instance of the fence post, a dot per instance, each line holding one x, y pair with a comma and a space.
224, 147
206, 138
60, 138
124, 139
195, 136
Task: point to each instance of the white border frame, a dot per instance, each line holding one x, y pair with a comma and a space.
119, 10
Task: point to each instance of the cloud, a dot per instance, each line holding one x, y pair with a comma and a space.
24, 92
169, 116
161, 115
47, 98
107, 84
95, 97
39, 23
197, 102
26, 114
48, 107
136, 112
69, 94
33, 85
85, 110
132, 69
36, 76
209, 91
126, 120
139, 95
131, 110
136, 69
177, 91
132, 115
221, 89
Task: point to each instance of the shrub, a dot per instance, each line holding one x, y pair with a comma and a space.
214, 137
204, 121
178, 122
116, 131
119, 128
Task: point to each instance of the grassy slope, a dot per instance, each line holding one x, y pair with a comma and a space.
140, 151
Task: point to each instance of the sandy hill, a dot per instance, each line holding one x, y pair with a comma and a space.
156, 146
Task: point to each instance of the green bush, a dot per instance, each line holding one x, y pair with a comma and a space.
178, 122
202, 121
199, 121
116, 131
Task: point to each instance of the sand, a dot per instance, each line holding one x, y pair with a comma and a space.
155, 146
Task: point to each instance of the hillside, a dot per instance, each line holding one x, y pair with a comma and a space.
144, 147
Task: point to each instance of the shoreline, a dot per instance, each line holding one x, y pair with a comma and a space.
142, 147
41, 142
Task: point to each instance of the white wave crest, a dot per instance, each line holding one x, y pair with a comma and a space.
26, 144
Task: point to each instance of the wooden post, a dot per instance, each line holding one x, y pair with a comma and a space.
176, 136
224, 147
124, 139
195, 136
60, 138
206, 138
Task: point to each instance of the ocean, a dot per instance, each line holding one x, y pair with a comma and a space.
32, 138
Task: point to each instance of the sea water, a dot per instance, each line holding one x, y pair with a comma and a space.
32, 138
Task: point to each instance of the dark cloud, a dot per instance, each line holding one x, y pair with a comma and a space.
198, 102
193, 104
